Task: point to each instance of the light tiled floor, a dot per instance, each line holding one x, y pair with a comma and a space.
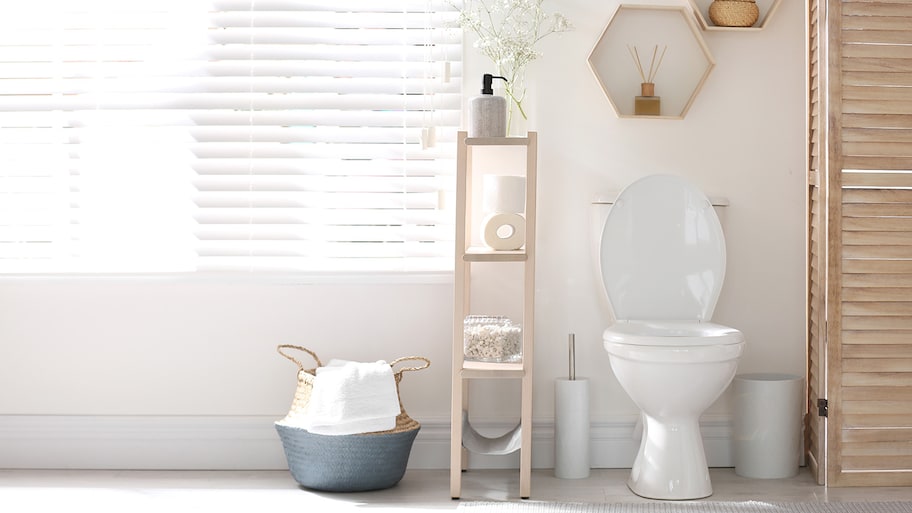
420, 490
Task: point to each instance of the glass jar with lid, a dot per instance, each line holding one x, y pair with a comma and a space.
492, 338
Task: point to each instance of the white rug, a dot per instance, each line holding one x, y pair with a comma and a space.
687, 507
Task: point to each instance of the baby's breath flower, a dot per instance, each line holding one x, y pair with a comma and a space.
507, 32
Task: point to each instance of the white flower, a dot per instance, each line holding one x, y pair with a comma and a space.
507, 32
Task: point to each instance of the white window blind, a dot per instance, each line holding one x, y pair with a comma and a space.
223, 135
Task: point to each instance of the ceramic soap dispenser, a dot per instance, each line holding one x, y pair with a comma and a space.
487, 112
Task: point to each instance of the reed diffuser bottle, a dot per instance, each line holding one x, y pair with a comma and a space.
647, 103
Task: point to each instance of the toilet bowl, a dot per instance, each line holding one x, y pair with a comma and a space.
662, 261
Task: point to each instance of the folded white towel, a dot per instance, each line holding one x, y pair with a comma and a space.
352, 397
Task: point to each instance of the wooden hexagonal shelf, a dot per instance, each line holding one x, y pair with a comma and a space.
701, 11
683, 68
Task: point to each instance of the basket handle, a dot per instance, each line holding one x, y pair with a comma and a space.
293, 359
427, 363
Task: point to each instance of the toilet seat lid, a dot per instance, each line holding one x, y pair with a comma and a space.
662, 251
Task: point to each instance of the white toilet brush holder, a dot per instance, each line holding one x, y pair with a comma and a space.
571, 424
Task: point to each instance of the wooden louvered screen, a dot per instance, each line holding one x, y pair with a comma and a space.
815, 429
869, 231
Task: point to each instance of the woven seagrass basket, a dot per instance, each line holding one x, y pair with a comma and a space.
734, 13
345, 463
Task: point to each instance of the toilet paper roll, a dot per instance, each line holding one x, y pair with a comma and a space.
503, 193
504, 231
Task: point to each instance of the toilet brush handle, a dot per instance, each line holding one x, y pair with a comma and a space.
572, 348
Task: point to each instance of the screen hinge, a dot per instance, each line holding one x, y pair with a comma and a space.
822, 407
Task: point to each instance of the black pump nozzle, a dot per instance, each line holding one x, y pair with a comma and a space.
487, 82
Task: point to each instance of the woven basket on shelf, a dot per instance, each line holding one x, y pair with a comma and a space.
734, 13
345, 463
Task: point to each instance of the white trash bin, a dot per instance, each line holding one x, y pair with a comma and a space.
767, 424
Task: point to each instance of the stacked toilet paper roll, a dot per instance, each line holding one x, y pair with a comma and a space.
504, 201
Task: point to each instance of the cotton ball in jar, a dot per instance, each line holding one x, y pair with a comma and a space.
492, 339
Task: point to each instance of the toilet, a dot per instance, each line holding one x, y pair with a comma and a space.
661, 256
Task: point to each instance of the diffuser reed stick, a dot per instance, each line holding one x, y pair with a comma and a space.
653, 64
636, 61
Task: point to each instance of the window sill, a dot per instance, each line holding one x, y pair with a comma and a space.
286, 279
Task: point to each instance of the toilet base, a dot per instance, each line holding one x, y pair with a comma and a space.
671, 462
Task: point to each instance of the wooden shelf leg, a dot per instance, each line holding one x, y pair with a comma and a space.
457, 453
465, 408
525, 455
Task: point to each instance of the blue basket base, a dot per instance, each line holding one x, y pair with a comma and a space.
347, 463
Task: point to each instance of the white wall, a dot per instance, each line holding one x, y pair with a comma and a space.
743, 139
132, 348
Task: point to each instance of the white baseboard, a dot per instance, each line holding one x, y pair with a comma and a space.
139, 442
251, 443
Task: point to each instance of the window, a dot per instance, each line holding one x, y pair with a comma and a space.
227, 135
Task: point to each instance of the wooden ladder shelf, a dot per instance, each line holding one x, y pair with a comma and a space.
464, 438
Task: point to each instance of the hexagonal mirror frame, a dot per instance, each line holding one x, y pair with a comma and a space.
681, 72
767, 9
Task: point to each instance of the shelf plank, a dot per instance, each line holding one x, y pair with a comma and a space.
492, 370
479, 254
497, 141
641, 116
